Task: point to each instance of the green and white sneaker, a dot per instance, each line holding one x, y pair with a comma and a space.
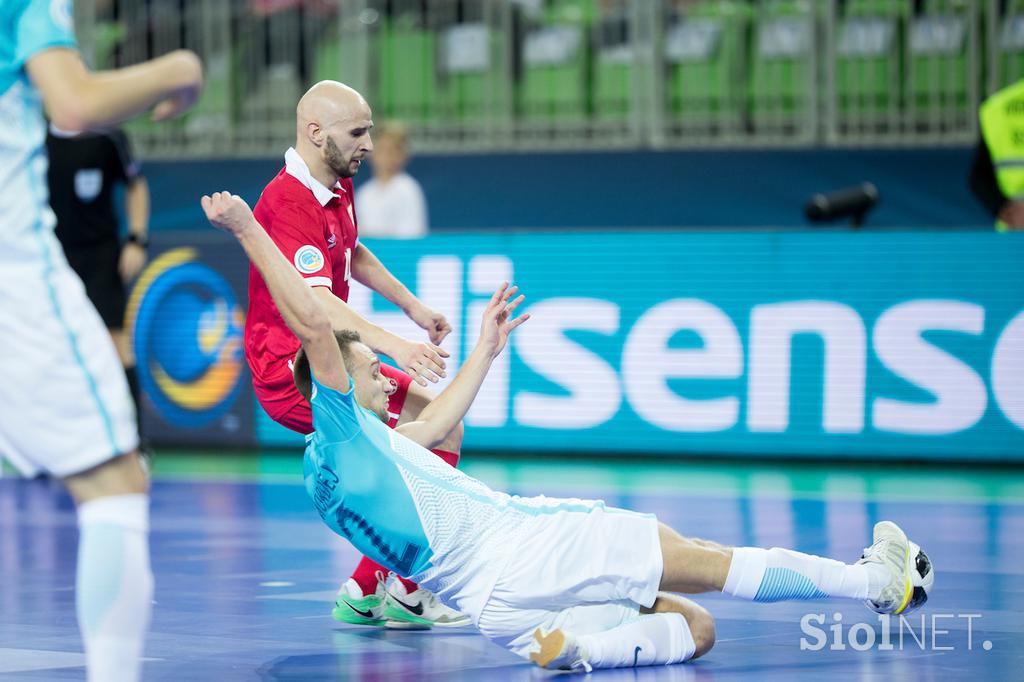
417, 610
352, 606
559, 650
898, 554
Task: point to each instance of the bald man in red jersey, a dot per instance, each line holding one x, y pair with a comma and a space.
308, 211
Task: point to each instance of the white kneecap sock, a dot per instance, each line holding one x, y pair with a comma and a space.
655, 639
770, 575
114, 590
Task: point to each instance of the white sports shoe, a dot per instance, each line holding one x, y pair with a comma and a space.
417, 610
352, 606
559, 650
894, 551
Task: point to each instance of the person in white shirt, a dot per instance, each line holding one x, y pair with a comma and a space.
391, 205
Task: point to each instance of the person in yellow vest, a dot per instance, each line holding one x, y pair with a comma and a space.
997, 172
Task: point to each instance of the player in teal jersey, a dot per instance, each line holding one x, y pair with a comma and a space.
567, 583
66, 410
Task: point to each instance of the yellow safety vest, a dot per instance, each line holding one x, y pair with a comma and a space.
1002, 125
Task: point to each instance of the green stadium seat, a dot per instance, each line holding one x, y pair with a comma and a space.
613, 63
327, 61
581, 12
334, 58
556, 81
613, 77
706, 65
868, 63
1009, 44
938, 71
407, 78
471, 73
556, 75
782, 84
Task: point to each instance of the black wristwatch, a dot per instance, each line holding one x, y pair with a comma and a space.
138, 240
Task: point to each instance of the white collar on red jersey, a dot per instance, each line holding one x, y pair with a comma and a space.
297, 168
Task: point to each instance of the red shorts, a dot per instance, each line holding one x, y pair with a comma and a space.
285, 405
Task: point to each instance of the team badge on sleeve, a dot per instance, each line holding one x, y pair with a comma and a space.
309, 259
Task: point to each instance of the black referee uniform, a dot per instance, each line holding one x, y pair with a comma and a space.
83, 172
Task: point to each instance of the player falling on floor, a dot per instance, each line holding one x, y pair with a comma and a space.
308, 211
568, 583
64, 402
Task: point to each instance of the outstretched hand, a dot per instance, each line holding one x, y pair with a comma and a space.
424, 362
497, 321
228, 212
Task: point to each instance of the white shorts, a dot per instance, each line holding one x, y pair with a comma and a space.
64, 400
584, 572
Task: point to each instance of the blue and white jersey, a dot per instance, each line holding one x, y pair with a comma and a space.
56, 343
27, 27
405, 508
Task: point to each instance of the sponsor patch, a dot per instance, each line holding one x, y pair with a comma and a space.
308, 259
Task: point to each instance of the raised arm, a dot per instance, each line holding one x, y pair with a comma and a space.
299, 306
438, 418
79, 99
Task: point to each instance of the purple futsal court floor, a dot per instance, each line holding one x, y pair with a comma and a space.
246, 574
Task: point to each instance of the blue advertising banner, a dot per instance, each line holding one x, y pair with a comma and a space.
185, 316
907, 345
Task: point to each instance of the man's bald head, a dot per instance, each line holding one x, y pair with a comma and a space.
333, 124
328, 102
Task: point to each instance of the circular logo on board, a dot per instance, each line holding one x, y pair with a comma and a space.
186, 328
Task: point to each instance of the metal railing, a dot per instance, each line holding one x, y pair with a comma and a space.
470, 75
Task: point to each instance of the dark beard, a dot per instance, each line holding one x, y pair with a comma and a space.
336, 162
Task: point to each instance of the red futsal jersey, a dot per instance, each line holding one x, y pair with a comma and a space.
315, 228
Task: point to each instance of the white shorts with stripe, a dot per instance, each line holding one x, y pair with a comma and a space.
64, 400
584, 572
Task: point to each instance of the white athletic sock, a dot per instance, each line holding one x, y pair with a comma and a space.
655, 639
114, 590
769, 575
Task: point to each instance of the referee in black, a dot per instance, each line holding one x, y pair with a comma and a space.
84, 170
